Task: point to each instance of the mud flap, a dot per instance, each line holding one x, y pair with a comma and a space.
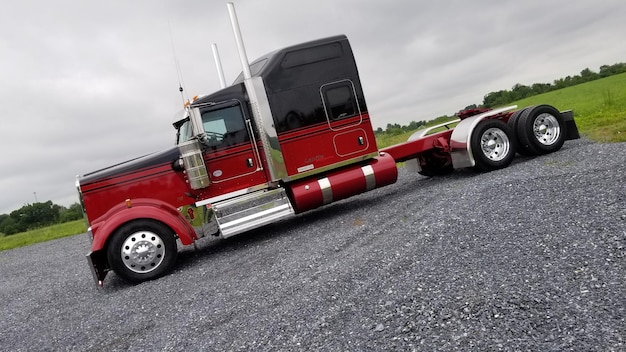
570, 125
97, 264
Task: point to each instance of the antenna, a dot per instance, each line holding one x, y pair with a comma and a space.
218, 65
178, 70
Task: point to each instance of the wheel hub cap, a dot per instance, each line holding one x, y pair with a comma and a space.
546, 129
495, 144
143, 251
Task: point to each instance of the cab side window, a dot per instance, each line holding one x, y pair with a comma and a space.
339, 100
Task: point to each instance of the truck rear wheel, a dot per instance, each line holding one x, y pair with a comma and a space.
540, 130
142, 250
513, 121
492, 145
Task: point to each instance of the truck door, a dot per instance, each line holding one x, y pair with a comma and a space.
232, 156
331, 129
344, 118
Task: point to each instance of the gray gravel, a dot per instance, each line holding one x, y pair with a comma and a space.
531, 257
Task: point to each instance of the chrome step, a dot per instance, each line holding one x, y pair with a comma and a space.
252, 210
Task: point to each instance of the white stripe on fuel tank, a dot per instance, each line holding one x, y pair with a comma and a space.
370, 179
327, 191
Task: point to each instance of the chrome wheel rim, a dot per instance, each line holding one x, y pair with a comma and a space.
143, 252
546, 129
495, 144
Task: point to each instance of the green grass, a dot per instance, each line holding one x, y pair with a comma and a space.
43, 234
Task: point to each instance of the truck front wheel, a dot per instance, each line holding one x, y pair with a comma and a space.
142, 250
492, 145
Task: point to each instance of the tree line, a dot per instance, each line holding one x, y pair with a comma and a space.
36, 215
518, 92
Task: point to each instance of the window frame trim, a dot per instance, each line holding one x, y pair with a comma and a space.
329, 86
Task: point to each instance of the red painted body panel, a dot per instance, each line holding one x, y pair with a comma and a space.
232, 169
321, 146
412, 149
159, 182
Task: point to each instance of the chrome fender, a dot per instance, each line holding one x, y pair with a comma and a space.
461, 154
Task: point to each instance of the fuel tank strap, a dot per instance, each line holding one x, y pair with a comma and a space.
327, 191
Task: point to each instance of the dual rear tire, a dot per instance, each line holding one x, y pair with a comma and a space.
539, 130
535, 130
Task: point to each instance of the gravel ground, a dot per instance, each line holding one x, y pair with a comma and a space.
531, 257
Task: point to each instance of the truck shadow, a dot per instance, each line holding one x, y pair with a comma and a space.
206, 247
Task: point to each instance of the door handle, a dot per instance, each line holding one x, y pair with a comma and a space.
249, 162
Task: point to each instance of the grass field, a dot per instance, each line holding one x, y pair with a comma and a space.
599, 110
42, 234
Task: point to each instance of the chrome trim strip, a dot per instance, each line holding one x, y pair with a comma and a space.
370, 179
327, 191
222, 197
255, 147
262, 115
256, 220
424, 132
195, 117
356, 98
305, 168
363, 145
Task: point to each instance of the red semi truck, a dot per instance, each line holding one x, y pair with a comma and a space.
291, 134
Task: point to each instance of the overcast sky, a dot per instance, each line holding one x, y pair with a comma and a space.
86, 84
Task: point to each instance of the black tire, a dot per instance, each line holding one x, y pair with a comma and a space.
431, 171
512, 123
435, 166
541, 130
493, 145
142, 250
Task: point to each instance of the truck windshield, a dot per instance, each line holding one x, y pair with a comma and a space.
224, 127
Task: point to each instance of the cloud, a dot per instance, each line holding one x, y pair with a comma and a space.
89, 84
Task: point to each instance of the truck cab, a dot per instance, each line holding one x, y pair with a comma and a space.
294, 136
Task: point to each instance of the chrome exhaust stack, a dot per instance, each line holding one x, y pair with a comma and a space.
260, 106
218, 65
